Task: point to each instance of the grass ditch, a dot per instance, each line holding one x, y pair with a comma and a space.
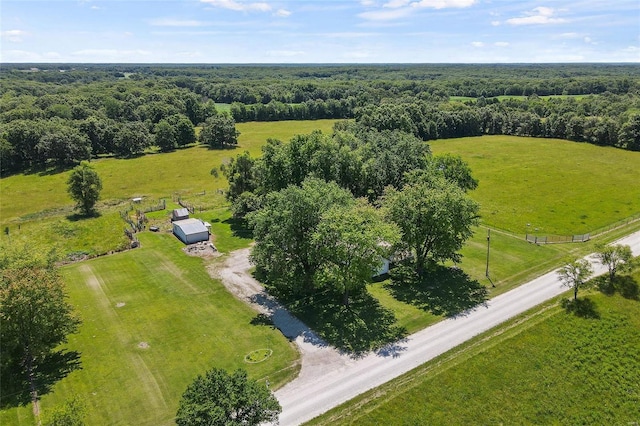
547, 366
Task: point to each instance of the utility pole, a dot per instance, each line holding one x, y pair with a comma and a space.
488, 247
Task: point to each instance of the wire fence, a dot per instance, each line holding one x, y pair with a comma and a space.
581, 238
557, 239
616, 225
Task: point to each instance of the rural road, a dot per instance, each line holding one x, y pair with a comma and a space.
328, 378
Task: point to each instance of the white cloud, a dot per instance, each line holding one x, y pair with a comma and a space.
495, 23
239, 6
396, 9
282, 13
444, 4
349, 35
394, 4
477, 44
286, 53
356, 55
106, 55
385, 15
537, 16
501, 43
569, 35
14, 36
171, 22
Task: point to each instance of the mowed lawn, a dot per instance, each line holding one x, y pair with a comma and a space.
553, 368
557, 187
152, 320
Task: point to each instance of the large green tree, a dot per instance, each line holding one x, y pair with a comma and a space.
34, 313
84, 186
353, 241
165, 136
616, 258
454, 169
436, 217
220, 398
575, 274
131, 138
219, 131
283, 229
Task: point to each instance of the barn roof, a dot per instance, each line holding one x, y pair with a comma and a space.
191, 226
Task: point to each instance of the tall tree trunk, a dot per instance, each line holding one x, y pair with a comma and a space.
345, 297
32, 387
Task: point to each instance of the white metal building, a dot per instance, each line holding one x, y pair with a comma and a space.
190, 231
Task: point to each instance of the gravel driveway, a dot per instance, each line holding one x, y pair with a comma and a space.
328, 378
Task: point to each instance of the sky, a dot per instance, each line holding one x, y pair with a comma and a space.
309, 31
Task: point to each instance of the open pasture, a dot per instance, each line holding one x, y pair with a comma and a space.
153, 175
152, 320
549, 186
553, 368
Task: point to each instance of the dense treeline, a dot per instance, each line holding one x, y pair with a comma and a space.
607, 119
62, 114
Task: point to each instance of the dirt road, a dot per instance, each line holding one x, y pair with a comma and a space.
328, 378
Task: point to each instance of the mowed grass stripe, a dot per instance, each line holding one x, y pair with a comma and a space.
556, 186
189, 322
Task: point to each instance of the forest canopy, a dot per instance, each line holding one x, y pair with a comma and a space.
56, 115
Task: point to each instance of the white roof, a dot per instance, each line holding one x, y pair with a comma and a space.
191, 226
181, 212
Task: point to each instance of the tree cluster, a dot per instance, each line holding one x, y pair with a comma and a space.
222, 399
62, 114
326, 209
36, 318
603, 120
46, 125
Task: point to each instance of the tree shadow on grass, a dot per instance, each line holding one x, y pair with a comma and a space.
628, 287
239, 227
441, 290
624, 284
583, 308
262, 319
14, 387
76, 217
362, 326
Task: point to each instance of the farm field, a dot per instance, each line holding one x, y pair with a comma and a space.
152, 320
153, 175
557, 187
172, 284
547, 367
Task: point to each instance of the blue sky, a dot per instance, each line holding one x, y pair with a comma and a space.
306, 31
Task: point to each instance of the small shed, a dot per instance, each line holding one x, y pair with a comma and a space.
190, 231
179, 214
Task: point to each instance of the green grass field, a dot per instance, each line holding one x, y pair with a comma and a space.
185, 171
553, 368
32, 205
557, 187
162, 297
550, 184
